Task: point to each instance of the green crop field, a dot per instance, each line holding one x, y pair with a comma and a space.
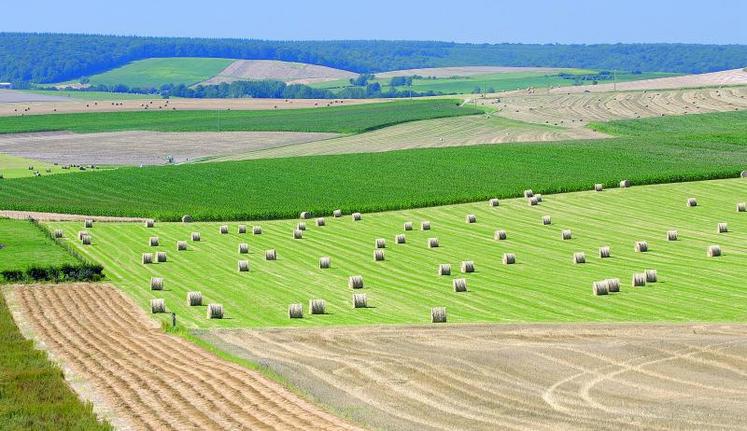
544, 284
24, 245
155, 72
342, 119
281, 188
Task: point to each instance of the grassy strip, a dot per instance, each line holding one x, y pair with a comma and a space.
336, 119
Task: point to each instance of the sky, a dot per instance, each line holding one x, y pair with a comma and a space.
476, 21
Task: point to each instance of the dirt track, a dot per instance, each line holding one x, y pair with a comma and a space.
154, 381
538, 377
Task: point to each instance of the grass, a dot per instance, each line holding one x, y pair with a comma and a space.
25, 245
155, 72
18, 167
544, 286
95, 95
281, 188
341, 119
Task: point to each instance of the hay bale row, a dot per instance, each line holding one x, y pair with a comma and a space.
651, 276
600, 288
598, 187
459, 284
305, 215
471, 218
641, 246
692, 202
317, 306
295, 311
153, 241
196, 236
243, 266
722, 228
271, 254
337, 213
243, 248
425, 225
378, 255
214, 311
407, 225
494, 202
81, 234
566, 234
320, 222
467, 266
432, 242
301, 226
161, 257
742, 207
604, 252
88, 224
150, 223
672, 235
613, 284
639, 279
360, 300
181, 245
624, 184
357, 216
194, 299
86, 240
400, 239
147, 258
438, 315
157, 305
528, 193
58, 233
539, 198
714, 251
509, 258
500, 235
297, 234
533, 201
325, 262
156, 283
355, 282
444, 269
380, 243
579, 257
546, 220
223, 230
242, 229
257, 230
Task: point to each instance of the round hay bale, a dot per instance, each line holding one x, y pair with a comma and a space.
271, 254
459, 284
186, 218
357, 216
408, 225
533, 201
325, 262
722, 228
337, 213
305, 215
242, 228
243, 266
380, 243
153, 241
651, 276
378, 255
161, 257
467, 266
88, 224
243, 248
257, 230
297, 234
432, 242
743, 174
613, 284
438, 315
714, 251
509, 258
355, 282
317, 306
58, 233
604, 252
295, 311
157, 305
320, 222
598, 187
494, 202
223, 230
194, 299
566, 234
579, 257
600, 288
539, 198
156, 283
81, 234
692, 202
400, 239
150, 223
639, 279
528, 193
86, 239
214, 311
471, 218
672, 235
196, 236
181, 245
742, 207
147, 258
500, 235
546, 220
624, 184
641, 246
301, 226
360, 300
425, 225
444, 269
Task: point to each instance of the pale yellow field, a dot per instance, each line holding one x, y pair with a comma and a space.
291, 72
714, 79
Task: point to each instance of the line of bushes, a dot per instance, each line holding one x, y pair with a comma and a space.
64, 273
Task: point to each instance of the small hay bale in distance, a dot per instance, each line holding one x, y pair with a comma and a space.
624, 184
604, 252
509, 258
153, 241
357, 216
243, 266
295, 311
407, 225
157, 305
242, 228
566, 234
539, 198
320, 222
301, 226
150, 223
243, 248
714, 251
742, 207
380, 243
337, 213
87, 239
196, 236
598, 187
161, 257
743, 174
317, 306
471, 218
400, 239
641, 246
692, 202
500, 235
271, 254
494, 202
639, 279
459, 284
156, 283
613, 284
579, 257
425, 225
672, 235
58, 233
181, 245
360, 300
378, 255
444, 269
186, 218
297, 234
467, 266
147, 258
722, 228
88, 223
533, 201
325, 262
432, 242
528, 193
194, 299
651, 276
546, 220
81, 234
214, 311
257, 230
305, 215
223, 229
355, 282
438, 315
600, 288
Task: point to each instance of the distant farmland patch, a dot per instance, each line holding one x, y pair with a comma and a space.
291, 72
155, 72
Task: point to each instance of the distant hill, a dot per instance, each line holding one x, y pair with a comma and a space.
45, 58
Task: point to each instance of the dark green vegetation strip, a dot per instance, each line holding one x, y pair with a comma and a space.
279, 188
339, 119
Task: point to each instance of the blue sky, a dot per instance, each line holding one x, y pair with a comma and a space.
529, 21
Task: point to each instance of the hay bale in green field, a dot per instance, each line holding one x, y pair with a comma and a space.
317, 306
355, 282
641, 246
325, 262
181, 245
81, 234
87, 239
214, 311
153, 241
500, 235
639, 279
88, 223
604, 252
378, 255
161, 257
150, 224
58, 233
528, 193
157, 305
223, 230
301, 226
432, 242
360, 300
407, 225
380, 243
438, 315
651, 276
692, 202
566, 234
600, 288
539, 198
320, 222
579, 257
467, 266
624, 184
742, 207
714, 251
271, 254
196, 236
186, 218
297, 234
147, 258
337, 213
509, 258
613, 284
494, 202
295, 311
444, 269
257, 230
243, 248
722, 228
156, 283
194, 299
357, 216
471, 218
243, 266
546, 220
425, 225
459, 285
242, 228
598, 187
672, 235
305, 215
533, 201
400, 239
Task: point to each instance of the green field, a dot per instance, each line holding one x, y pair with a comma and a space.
155, 72
281, 188
544, 285
18, 167
341, 119
95, 95
25, 245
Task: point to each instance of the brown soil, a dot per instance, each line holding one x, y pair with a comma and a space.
40, 216
725, 77
446, 72
153, 380
515, 377
11, 96
296, 73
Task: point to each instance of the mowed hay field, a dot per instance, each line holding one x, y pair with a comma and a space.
291, 72
155, 72
543, 285
514, 377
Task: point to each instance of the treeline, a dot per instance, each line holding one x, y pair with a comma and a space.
44, 58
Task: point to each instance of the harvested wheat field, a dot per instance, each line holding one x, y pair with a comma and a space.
577, 110
145, 147
443, 132
291, 72
150, 380
713, 79
447, 72
42, 216
514, 377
